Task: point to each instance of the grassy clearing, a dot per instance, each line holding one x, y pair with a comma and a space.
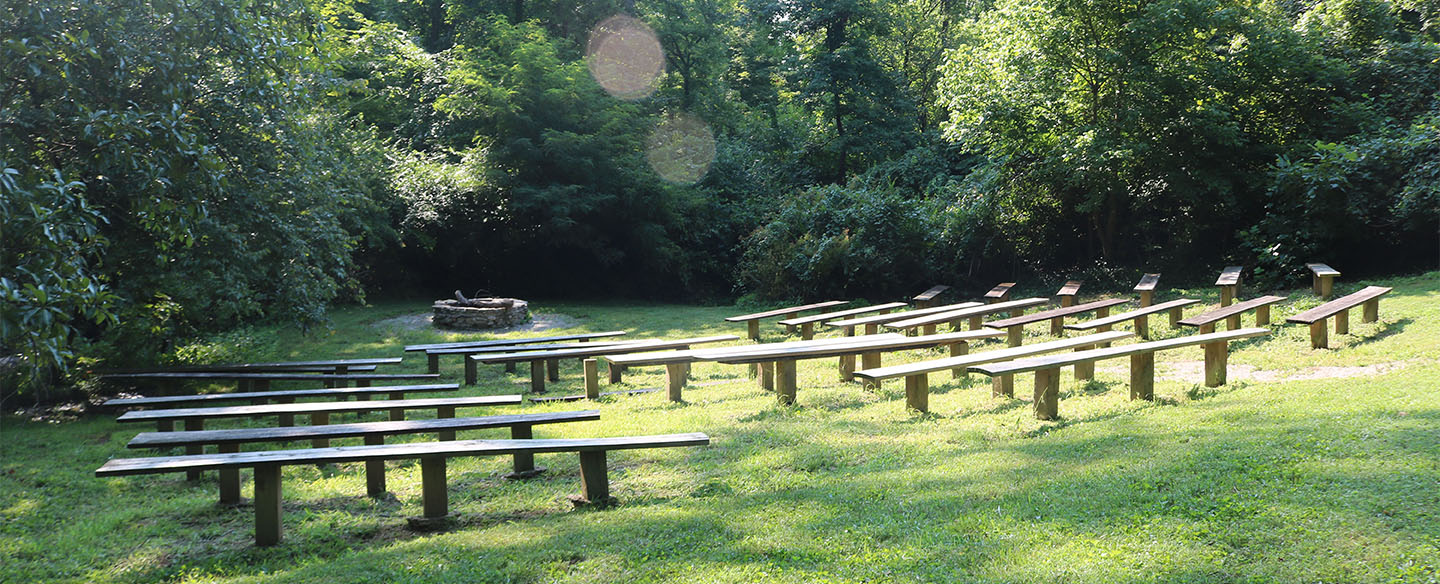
1267, 479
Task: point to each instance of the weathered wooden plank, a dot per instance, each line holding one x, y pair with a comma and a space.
1045, 362
967, 312
975, 358
870, 321
1230, 276
1115, 319
1000, 293
312, 407
930, 294
814, 318
860, 345
1034, 317
274, 376
338, 392
352, 430
1227, 312
1333, 307
784, 311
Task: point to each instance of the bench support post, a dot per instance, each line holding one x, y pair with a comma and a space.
789, 328
1371, 312
537, 376
1342, 322
592, 378
1323, 286
1013, 335
785, 381
594, 480
1227, 294
847, 367
869, 360
1142, 326
194, 425
1084, 371
1319, 333
229, 477
1047, 393
1002, 385
472, 375
524, 461
1147, 297
1142, 376
435, 497
510, 367
615, 371
445, 412
975, 322
766, 379
956, 350
917, 392
432, 362
1175, 314
807, 331
552, 369
1216, 356
286, 420
752, 329
675, 380
397, 414
267, 505
1057, 326
375, 469
320, 419
1232, 322
1262, 315
872, 328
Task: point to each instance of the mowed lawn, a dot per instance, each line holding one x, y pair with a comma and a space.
1309, 466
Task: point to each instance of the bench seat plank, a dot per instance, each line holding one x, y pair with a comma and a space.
785, 311
1230, 311
1115, 319
316, 407
1148, 283
318, 365
930, 294
968, 312
1070, 288
1333, 307
517, 341
814, 318
1322, 270
1230, 276
695, 355
525, 348
340, 392
879, 319
1044, 315
273, 376
600, 351
358, 429
1052, 361
858, 345
1008, 353
1001, 291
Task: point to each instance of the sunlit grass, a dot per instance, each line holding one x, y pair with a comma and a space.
1332, 479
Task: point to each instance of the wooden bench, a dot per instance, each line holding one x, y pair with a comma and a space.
261, 381
974, 314
1229, 283
872, 323
1142, 365
594, 479
263, 397
1067, 293
1322, 279
777, 365
917, 387
432, 356
927, 298
1000, 293
752, 321
433, 363
807, 323
319, 412
1146, 289
323, 365
677, 363
228, 441
1141, 317
1231, 314
1014, 325
538, 359
1340, 309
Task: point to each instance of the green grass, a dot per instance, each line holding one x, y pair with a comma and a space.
1328, 479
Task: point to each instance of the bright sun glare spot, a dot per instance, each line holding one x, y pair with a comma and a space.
681, 148
625, 57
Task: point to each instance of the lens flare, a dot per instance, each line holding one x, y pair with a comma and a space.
625, 57
681, 148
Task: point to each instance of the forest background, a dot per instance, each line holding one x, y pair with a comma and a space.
175, 168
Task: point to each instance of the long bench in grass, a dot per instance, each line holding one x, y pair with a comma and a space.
537, 359
1014, 325
752, 321
974, 314
229, 441
319, 412
777, 364
927, 298
871, 324
594, 479
433, 363
1231, 314
261, 381
1322, 279
677, 363
472, 374
1139, 316
321, 365
917, 386
1340, 309
1229, 283
807, 323
1142, 365
280, 396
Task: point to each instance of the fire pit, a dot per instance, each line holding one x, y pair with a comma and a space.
479, 313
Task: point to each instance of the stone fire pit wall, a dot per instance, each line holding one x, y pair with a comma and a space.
493, 313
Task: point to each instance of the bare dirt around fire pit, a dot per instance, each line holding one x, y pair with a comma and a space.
538, 322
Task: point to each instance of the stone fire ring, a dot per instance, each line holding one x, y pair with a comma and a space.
502, 313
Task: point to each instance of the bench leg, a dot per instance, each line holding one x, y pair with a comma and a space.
1142, 326
537, 376
1067, 301
1084, 371
243, 385
435, 497
1047, 393
592, 378
849, 330
194, 425
229, 478
432, 363
1175, 314
1216, 356
594, 480
472, 375
871, 329
1232, 323
524, 461
1262, 315
917, 392
752, 329
767, 376
511, 367
847, 367
1227, 295
789, 328
445, 412
1002, 385
320, 419
375, 469
286, 420
552, 369
956, 350
785, 381
267, 505
1371, 312
1325, 285
869, 360
262, 385
975, 323
1142, 376
1342, 322
165, 425
1319, 334
807, 331
675, 380
928, 329
1207, 328
397, 414
1013, 335
1147, 298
